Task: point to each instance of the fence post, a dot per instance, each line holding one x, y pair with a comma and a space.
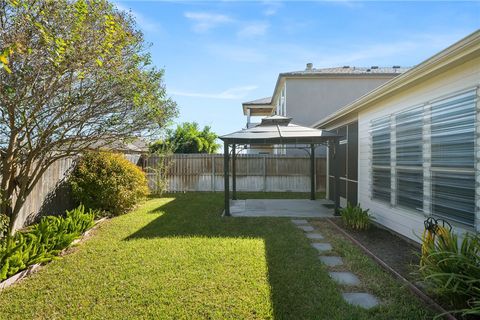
264, 173
213, 172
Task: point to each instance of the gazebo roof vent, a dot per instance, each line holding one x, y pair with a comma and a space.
275, 120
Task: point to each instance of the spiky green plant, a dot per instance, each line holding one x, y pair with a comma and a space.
355, 217
42, 242
452, 270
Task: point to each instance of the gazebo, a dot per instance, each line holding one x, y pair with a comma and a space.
279, 130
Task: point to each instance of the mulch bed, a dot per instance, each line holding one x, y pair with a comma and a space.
401, 255
398, 253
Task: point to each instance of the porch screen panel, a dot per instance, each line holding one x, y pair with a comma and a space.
409, 158
381, 184
453, 157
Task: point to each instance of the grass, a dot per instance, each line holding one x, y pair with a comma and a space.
176, 258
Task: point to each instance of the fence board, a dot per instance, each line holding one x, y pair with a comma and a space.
204, 172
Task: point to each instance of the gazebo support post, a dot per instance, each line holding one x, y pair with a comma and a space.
312, 171
234, 172
336, 172
226, 178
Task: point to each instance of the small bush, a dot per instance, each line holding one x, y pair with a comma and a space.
355, 217
108, 182
451, 269
42, 242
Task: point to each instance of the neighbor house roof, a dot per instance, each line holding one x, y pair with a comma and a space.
265, 106
347, 70
456, 54
261, 101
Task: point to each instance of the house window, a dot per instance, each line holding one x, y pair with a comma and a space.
381, 187
409, 158
453, 157
410, 189
449, 161
381, 184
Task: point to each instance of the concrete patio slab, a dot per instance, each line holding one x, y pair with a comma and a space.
306, 228
331, 261
294, 208
361, 299
314, 236
345, 278
322, 247
299, 222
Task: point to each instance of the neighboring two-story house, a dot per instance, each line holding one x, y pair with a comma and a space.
312, 94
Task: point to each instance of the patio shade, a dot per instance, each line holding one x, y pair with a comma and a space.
278, 130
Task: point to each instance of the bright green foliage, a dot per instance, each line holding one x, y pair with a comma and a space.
187, 138
75, 75
452, 270
43, 241
108, 182
355, 217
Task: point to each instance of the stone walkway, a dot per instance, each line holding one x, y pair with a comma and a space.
361, 299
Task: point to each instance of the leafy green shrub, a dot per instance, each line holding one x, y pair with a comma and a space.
43, 241
355, 217
451, 269
108, 182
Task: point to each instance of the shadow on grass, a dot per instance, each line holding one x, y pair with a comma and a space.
300, 287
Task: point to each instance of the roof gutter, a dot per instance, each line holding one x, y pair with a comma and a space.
456, 54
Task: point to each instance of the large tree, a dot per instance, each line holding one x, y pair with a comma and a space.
188, 138
74, 75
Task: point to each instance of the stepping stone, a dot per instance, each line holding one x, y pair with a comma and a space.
299, 222
322, 247
345, 278
361, 299
306, 228
314, 236
331, 261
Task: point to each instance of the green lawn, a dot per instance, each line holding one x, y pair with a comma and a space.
176, 258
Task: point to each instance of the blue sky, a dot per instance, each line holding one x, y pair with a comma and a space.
218, 54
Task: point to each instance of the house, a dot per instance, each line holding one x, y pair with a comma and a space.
410, 147
312, 94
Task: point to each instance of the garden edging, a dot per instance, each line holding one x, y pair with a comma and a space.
430, 302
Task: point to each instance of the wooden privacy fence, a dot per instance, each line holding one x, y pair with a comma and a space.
204, 172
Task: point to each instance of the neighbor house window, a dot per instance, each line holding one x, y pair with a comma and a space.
453, 157
381, 185
409, 158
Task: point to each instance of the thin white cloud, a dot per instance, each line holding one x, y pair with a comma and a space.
229, 94
271, 7
205, 21
253, 29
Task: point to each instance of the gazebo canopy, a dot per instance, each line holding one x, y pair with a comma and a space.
277, 130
